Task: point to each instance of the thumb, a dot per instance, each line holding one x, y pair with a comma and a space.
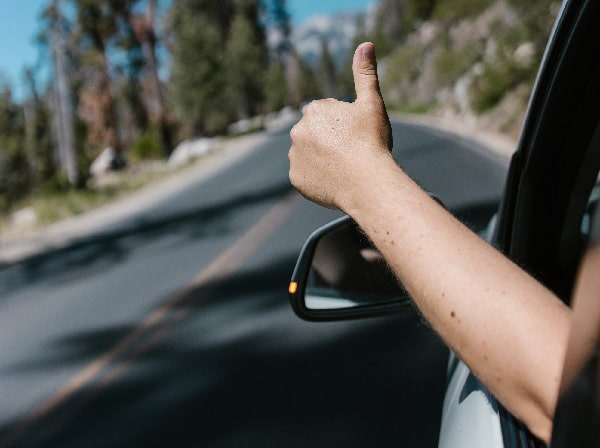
364, 69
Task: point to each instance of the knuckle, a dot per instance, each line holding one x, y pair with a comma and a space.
293, 178
309, 108
295, 132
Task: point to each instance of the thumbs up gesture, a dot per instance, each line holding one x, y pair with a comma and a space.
338, 146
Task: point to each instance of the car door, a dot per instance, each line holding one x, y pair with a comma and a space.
539, 224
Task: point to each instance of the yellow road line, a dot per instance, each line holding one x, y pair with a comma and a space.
222, 266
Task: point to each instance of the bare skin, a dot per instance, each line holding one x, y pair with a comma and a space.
585, 335
508, 328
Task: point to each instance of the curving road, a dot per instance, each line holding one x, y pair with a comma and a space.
176, 331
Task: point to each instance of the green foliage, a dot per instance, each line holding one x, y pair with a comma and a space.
502, 72
454, 10
245, 60
197, 74
219, 60
489, 88
412, 108
58, 200
396, 19
404, 65
308, 86
15, 176
147, 146
276, 87
450, 64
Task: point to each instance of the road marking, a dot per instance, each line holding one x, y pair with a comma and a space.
222, 266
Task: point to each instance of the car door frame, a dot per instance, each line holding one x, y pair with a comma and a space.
555, 164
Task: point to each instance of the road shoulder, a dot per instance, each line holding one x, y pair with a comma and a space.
498, 146
65, 232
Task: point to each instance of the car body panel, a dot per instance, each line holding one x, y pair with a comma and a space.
470, 417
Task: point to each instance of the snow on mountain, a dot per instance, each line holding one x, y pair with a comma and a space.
338, 30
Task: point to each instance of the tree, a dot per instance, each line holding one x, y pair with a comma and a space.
98, 23
37, 140
307, 84
199, 29
14, 179
144, 27
245, 60
62, 98
276, 87
279, 20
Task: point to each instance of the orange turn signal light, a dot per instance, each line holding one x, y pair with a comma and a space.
293, 288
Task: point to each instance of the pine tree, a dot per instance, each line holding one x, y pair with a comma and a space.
245, 60
307, 85
98, 24
144, 28
14, 169
37, 136
276, 87
199, 29
279, 19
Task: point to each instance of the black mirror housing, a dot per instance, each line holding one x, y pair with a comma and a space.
339, 275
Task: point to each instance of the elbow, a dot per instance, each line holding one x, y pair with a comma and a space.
540, 426
537, 413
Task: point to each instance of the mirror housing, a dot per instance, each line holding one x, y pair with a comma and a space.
339, 275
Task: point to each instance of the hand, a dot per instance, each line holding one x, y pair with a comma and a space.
336, 142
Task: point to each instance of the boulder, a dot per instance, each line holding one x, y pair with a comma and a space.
108, 160
191, 149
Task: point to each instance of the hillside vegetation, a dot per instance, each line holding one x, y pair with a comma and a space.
471, 59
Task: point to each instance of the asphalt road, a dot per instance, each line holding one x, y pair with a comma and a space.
176, 331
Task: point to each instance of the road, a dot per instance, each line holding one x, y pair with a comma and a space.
176, 331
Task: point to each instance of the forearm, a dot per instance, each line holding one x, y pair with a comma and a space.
585, 334
509, 329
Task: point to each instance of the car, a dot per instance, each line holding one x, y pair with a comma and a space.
542, 224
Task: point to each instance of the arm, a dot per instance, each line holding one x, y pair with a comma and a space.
509, 329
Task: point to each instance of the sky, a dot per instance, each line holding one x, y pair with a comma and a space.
19, 23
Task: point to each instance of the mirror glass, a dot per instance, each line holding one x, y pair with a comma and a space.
348, 272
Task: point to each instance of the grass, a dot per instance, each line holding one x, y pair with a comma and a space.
52, 205
412, 108
451, 64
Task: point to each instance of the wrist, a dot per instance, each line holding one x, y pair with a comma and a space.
376, 177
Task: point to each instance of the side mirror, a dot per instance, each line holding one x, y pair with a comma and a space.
340, 275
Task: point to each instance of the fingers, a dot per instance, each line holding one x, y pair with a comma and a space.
364, 69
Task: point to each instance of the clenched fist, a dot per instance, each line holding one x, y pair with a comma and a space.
336, 144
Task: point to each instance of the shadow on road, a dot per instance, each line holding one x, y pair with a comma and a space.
242, 371
95, 253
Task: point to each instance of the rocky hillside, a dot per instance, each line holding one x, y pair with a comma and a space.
479, 66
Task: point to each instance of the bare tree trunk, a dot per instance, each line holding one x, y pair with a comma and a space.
63, 100
144, 29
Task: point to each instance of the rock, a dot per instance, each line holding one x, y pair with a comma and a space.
25, 217
191, 149
246, 125
524, 54
108, 160
277, 121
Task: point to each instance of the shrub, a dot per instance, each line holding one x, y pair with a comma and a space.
455, 10
147, 146
452, 64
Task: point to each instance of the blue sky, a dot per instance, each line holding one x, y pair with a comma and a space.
19, 24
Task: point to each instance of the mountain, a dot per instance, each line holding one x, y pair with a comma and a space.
338, 30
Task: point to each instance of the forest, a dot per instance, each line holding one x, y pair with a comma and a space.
137, 77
